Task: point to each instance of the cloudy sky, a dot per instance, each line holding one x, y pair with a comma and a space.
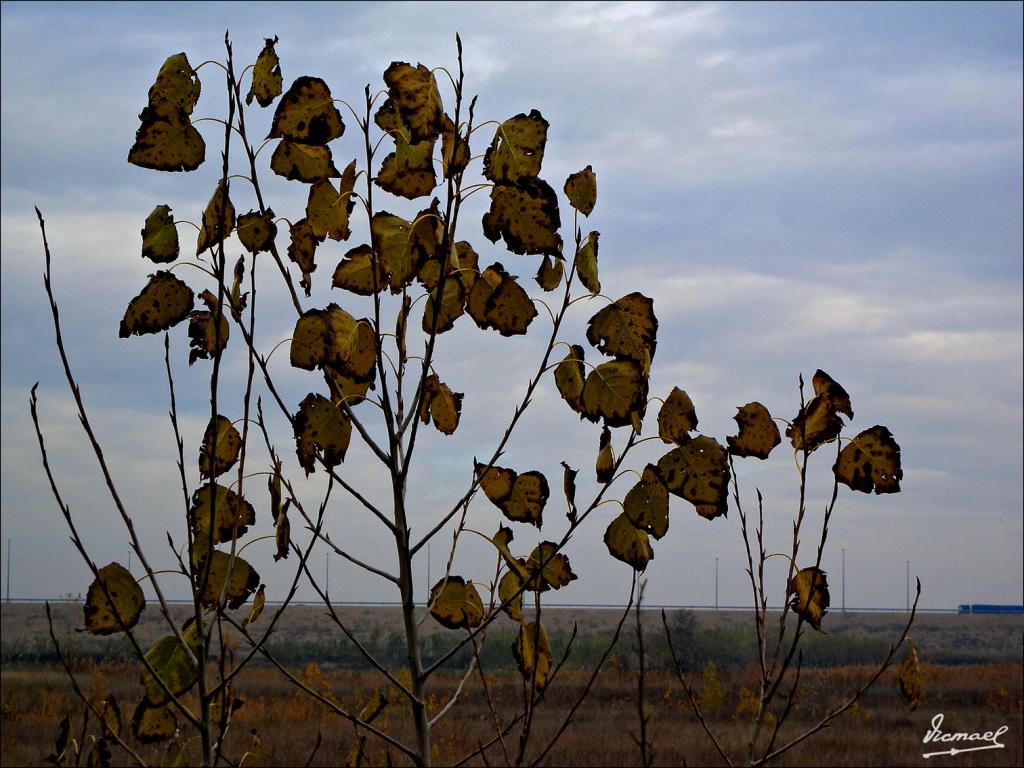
797, 187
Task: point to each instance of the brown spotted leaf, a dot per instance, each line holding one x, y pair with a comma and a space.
677, 417
160, 236
498, 301
627, 543
586, 263
308, 163
452, 307
758, 433
871, 462
208, 330
216, 459
581, 189
548, 568
456, 604
360, 272
809, 590
614, 392
408, 171
532, 653
257, 233
266, 76
306, 114
818, 422
229, 514
441, 405
167, 143
401, 247
509, 585
320, 424
626, 329
125, 600
698, 471
413, 90
526, 215
517, 150
176, 88
218, 219
521, 497
646, 504
230, 576
162, 304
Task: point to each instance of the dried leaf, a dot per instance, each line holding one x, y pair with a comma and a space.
533, 653
871, 462
569, 377
328, 209
306, 114
626, 329
152, 724
517, 150
548, 568
550, 273
208, 330
408, 171
319, 424
677, 417
177, 87
521, 497
258, 601
758, 433
698, 472
266, 76
215, 460
586, 263
569, 489
302, 250
172, 664
218, 218
232, 576
615, 392
229, 514
627, 543
360, 272
308, 163
414, 92
646, 504
257, 233
605, 467
526, 216
581, 189
162, 304
452, 307
809, 589
167, 143
509, 585
910, 677
441, 405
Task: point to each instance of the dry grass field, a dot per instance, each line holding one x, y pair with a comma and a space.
976, 696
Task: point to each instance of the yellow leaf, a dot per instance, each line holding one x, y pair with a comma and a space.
231, 575
257, 233
167, 143
282, 533
509, 585
809, 589
400, 248
533, 653
126, 600
218, 219
548, 568
228, 513
569, 377
581, 189
871, 462
440, 404
176, 88
321, 424
646, 504
225, 454
308, 163
503, 538
549, 273
162, 304
615, 392
160, 236
605, 467
698, 471
266, 76
258, 601
627, 543
153, 723
677, 418
414, 93
302, 250
910, 677
456, 604
345, 389
465, 263
626, 329
526, 215
517, 151
521, 497
408, 171
360, 272
306, 114
758, 433
586, 263
328, 209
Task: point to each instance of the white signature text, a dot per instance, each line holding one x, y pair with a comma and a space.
989, 739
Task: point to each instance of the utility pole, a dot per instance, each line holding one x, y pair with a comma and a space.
428, 573
844, 579
8, 570
908, 586
716, 583
327, 578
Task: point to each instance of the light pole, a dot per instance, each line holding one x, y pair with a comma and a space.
8, 570
844, 579
908, 586
716, 583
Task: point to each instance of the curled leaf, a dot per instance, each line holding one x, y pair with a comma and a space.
605, 457
910, 677
302, 250
533, 653
510, 584
818, 421
218, 219
550, 273
586, 263
498, 301
126, 601
441, 405
810, 599
548, 568
258, 601
208, 330
569, 488
521, 497
569, 377
266, 76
